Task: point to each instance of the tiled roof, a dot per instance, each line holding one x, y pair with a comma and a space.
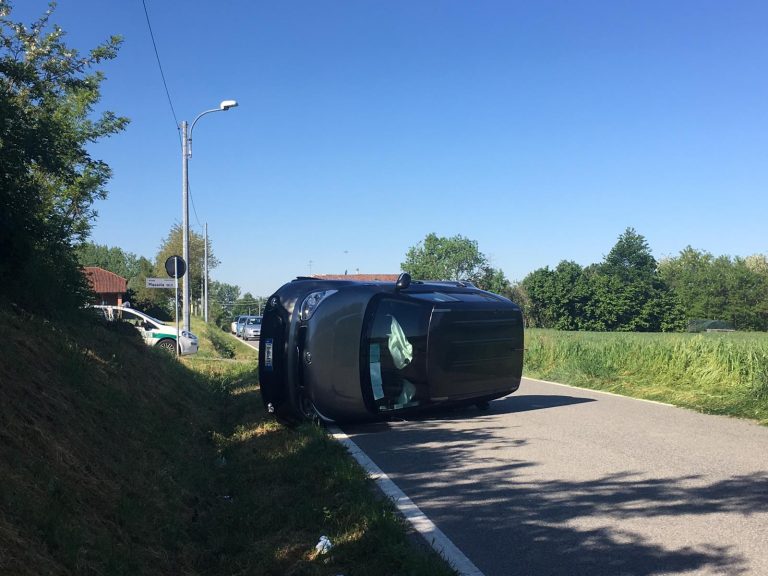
359, 277
104, 281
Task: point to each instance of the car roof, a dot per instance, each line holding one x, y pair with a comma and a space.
126, 309
415, 286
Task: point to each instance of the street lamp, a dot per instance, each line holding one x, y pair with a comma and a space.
186, 153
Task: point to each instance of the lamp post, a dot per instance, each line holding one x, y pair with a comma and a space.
186, 153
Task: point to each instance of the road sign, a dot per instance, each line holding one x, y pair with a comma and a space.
175, 266
160, 282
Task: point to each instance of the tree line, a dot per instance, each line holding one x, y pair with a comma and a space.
629, 290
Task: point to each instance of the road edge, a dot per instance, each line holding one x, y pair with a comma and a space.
412, 513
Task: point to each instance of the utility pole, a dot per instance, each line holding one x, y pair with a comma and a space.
205, 272
185, 223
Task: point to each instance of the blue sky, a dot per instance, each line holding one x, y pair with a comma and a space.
542, 130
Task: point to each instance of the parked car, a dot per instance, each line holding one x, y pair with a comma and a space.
240, 325
153, 331
343, 350
252, 328
233, 326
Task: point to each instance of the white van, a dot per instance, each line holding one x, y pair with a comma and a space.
153, 331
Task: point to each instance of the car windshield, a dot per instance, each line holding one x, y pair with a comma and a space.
155, 320
254, 321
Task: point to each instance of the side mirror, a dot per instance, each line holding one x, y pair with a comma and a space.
403, 281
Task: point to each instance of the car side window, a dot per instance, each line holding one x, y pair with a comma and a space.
132, 318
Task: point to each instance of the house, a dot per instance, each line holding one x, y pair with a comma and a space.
359, 277
108, 286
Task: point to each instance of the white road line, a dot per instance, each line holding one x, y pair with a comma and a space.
423, 525
598, 391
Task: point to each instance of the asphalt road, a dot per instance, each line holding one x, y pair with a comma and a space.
558, 480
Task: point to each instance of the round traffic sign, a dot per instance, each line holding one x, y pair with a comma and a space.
175, 266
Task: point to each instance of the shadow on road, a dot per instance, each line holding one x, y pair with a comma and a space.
525, 402
506, 405
553, 527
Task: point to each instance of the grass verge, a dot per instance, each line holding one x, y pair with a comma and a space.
713, 373
283, 488
118, 459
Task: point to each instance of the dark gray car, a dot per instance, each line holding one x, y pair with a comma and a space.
345, 350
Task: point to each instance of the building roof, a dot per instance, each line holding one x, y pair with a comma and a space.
105, 282
359, 277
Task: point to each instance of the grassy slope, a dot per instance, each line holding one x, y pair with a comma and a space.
713, 373
117, 459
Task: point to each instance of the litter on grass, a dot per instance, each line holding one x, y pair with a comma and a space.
323, 545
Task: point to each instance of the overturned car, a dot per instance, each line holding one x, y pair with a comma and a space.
341, 350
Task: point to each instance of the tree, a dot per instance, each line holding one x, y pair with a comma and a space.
494, 280
249, 304
630, 294
624, 292
559, 298
456, 258
630, 259
689, 276
173, 246
223, 294
114, 259
48, 179
221, 302
732, 290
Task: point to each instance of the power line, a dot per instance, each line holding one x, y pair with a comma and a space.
194, 210
159, 65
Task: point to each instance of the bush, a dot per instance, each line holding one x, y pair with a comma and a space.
221, 343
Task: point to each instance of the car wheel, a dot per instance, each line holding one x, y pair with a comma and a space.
167, 345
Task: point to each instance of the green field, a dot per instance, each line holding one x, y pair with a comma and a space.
716, 373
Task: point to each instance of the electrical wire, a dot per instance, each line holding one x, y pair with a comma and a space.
168, 95
159, 65
194, 210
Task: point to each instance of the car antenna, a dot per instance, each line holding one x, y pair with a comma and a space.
403, 281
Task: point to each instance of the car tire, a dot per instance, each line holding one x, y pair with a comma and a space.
167, 345
484, 405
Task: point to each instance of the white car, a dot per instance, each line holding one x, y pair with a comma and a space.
153, 331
